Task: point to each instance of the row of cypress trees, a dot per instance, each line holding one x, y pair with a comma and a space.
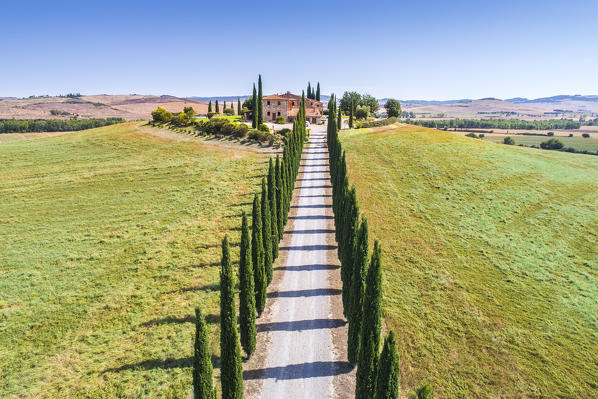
313, 94
377, 374
258, 106
258, 252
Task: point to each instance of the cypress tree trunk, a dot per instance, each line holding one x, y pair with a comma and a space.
360, 266
266, 231
257, 255
231, 372
387, 381
254, 111
203, 387
279, 198
367, 365
247, 295
273, 209
260, 107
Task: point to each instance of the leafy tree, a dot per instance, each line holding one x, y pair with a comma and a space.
189, 111
267, 231
203, 387
318, 92
257, 256
249, 103
260, 102
509, 141
370, 329
393, 108
423, 391
370, 102
349, 101
231, 371
362, 112
273, 208
387, 381
161, 115
551, 144
359, 271
247, 295
217, 107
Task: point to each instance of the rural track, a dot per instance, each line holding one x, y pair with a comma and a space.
302, 334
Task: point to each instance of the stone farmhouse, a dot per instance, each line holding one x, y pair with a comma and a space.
287, 106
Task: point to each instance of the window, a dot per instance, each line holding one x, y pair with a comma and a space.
278, 113
268, 102
293, 103
268, 113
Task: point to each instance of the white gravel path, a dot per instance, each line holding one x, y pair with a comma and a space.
301, 359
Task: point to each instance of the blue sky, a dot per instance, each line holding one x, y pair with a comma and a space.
407, 50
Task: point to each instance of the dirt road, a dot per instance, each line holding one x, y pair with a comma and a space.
302, 334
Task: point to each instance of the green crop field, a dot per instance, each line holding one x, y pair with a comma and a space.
577, 142
490, 257
109, 238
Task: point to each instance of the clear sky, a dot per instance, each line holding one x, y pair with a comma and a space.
423, 49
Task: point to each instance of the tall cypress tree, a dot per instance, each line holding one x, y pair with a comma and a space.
260, 106
231, 371
351, 115
217, 107
210, 106
254, 112
257, 256
267, 231
352, 227
308, 89
279, 199
359, 271
247, 295
387, 381
318, 92
273, 209
203, 387
367, 365
340, 119
224, 106
239, 106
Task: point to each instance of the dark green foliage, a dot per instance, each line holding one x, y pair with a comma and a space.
254, 112
231, 372
509, 141
260, 103
551, 144
308, 89
512, 124
339, 120
247, 294
351, 115
210, 107
393, 108
257, 255
266, 231
367, 365
318, 92
387, 380
217, 107
279, 198
54, 125
359, 271
423, 391
203, 387
273, 209
239, 111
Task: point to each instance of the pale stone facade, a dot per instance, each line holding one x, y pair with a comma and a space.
287, 106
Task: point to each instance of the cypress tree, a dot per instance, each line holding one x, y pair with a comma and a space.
254, 112
352, 227
318, 92
359, 271
266, 231
257, 256
239, 106
210, 106
273, 209
224, 107
351, 115
217, 107
308, 89
260, 106
387, 381
340, 119
247, 295
203, 387
231, 371
285, 192
279, 199
367, 365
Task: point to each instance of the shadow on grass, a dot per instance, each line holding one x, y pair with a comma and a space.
210, 319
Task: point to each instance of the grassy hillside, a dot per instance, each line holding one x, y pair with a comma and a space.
490, 261
578, 142
109, 239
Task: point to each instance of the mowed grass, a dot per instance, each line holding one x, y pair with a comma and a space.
490, 257
577, 142
109, 238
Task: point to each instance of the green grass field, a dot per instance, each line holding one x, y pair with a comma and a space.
110, 237
577, 142
490, 257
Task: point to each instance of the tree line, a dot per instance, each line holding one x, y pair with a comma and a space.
497, 124
313, 94
53, 125
259, 250
361, 275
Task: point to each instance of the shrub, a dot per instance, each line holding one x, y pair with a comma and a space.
570, 134
284, 132
263, 128
482, 135
473, 135
550, 134
229, 111
552, 144
585, 135
509, 141
160, 115
280, 120
382, 122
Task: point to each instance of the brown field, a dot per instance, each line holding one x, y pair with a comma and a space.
129, 107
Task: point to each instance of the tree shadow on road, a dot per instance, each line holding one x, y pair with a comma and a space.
305, 293
301, 325
299, 371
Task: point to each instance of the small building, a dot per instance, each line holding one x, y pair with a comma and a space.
287, 106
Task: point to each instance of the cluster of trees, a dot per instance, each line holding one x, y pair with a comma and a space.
498, 124
53, 125
378, 123
351, 100
377, 374
225, 110
313, 94
393, 108
259, 249
185, 118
